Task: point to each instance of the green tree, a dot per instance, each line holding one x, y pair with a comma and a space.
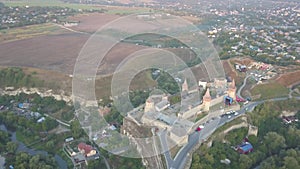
245, 161
268, 164
291, 163
11, 147
76, 129
50, 145
274, 142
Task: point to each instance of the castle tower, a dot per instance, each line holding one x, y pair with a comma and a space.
164, 97
206, 100
185, 86
232, 90
149, 105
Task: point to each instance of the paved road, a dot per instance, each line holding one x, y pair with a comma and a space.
194, 138
157, 158
210, 127
238, 93
59, 121
167, 155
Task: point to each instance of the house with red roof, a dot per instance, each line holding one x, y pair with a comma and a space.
86, 149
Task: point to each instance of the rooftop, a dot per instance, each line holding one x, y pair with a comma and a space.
246, 147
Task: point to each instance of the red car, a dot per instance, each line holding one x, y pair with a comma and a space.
198, 129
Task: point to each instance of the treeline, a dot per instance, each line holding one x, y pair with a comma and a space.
168, 84
15, 77
27, 126
41, 104
23, 16
138, 97
276, 146
25, 161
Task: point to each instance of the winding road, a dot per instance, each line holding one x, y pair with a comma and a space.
238, 93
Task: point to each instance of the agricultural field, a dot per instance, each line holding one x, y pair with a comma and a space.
91, 22
29, 32
289, 79
45, 3
270, 90
52, 52
122, 10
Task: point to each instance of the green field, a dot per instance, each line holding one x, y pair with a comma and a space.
271, 90
45, 3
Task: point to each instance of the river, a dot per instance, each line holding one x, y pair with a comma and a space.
23, 148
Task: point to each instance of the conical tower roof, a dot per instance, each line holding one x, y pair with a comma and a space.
185, 86
207, 96
232, 85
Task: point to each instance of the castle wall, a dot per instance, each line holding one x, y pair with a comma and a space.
217, 100
192, 112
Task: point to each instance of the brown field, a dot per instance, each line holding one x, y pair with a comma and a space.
116, 55
58, 51
52, 52
200, 72
92, 22
54, 79
230, 71
242, 61
289, 79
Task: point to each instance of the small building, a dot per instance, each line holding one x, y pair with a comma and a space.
202, 84
41, 119
79, 158
289, 119
67, 140
228, 100
24, 105
112, 127
245, 148
87, 150
243, 68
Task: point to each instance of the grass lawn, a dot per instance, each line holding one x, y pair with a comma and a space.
271, 90
200, 116
174, 151
229, 124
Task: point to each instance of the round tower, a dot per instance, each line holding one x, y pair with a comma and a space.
149, 105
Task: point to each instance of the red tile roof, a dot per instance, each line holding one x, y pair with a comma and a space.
87, 148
